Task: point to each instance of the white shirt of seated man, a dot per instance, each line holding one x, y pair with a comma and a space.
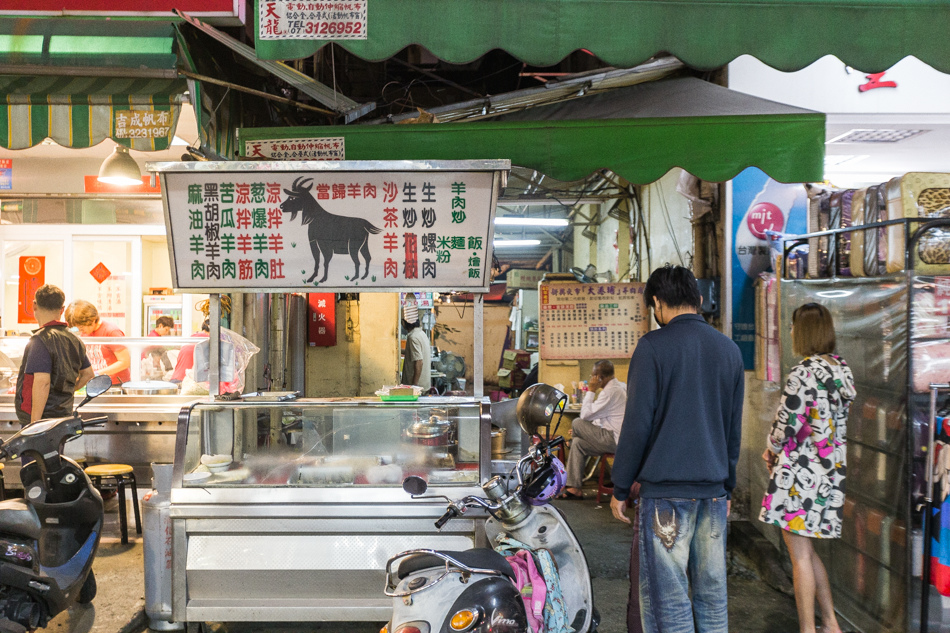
605, 403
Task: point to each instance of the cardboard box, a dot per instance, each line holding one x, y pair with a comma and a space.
510, 378
516, 358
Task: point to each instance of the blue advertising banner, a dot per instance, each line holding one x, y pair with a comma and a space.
759, 204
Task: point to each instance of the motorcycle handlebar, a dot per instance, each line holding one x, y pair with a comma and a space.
451, 513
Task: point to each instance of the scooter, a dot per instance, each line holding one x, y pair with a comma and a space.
474, 590
49, 539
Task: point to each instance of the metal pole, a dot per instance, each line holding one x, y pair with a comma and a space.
478, 368
214, 351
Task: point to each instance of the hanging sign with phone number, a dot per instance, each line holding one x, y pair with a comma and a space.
328, 20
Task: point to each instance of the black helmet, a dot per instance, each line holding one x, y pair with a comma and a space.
537, 406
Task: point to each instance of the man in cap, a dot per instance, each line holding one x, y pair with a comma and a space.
417, 366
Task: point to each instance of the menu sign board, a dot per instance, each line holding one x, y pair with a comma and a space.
297, 226
592, 321
303, 20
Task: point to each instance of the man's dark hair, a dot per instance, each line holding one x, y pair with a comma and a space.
206, 326
673, 285
409, 327
604, 368
165, 321
49, 297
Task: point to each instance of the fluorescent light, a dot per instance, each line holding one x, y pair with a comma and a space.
504, 243
519, 221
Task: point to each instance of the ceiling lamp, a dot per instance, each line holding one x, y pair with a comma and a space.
120, 168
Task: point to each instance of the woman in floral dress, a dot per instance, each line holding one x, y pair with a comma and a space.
806, 456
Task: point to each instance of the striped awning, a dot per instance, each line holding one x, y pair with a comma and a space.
82, 111
80, 81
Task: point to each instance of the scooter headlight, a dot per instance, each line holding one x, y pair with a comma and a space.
464, 620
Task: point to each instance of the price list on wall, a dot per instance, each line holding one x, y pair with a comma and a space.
591, 321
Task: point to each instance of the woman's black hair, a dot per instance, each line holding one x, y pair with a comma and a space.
673, 285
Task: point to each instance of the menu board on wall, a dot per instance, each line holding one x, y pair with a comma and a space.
591, 321
308, 226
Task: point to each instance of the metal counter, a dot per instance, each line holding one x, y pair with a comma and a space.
140, 430
307, 550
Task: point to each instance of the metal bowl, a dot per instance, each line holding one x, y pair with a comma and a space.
150, 388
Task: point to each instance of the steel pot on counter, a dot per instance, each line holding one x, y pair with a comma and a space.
498, 437
149, 388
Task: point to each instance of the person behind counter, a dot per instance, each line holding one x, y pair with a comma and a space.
158, 361
107, 360
54, 363
417, 366
597, 429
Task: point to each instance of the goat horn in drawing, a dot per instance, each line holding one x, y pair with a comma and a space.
306, 185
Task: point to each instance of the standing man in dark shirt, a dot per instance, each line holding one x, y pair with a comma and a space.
680, 441
54, 363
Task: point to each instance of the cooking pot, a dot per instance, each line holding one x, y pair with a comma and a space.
498, 437
149, 388
432, 432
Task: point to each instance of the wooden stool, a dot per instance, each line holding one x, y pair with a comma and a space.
120, 474
2, 492
601, 488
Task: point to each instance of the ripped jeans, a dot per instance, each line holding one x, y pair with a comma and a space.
683, 543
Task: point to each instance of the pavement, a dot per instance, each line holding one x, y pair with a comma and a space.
755, 606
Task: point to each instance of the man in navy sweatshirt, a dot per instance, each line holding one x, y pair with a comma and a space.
680, 440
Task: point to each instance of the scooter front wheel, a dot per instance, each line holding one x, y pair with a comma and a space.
88, 591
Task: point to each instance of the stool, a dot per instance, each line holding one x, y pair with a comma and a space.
121, 474
601, 488
2, 492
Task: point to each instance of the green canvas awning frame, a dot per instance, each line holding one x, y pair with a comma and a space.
639, 132
870, 35
66, 79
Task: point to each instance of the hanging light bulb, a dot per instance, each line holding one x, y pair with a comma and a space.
120, 168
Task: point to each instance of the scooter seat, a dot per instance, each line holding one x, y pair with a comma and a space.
17, 517
480, 557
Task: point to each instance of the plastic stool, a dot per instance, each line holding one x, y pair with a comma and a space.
120, 474
601, 488
2, 492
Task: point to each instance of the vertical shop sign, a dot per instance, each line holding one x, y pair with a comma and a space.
322, 230
32, 276
6, 173
111, 297
324, 20
321, 326
758, 204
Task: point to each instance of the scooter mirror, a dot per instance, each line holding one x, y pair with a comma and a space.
98, 386
415, 485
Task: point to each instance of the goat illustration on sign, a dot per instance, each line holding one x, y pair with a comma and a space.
328, 233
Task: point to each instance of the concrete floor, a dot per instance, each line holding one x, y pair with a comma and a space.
119, 606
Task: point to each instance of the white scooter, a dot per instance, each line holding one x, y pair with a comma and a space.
474, 590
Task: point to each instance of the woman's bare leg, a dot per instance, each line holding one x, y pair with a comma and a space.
829, 620
803, 577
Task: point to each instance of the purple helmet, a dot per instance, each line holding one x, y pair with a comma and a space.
546, 484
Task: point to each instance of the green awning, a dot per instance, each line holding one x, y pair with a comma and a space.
71, 79
639, 132
870, 35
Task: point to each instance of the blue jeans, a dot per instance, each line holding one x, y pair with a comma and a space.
683, 542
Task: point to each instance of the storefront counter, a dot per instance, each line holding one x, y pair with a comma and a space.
288, 511
140, 430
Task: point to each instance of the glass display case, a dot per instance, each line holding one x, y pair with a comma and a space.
289, 510
331, 444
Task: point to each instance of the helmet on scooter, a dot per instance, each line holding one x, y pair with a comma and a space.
545, 483
537, 406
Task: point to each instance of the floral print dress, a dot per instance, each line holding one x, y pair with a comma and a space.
806, 490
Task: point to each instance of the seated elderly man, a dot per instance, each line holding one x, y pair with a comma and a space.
597, 429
